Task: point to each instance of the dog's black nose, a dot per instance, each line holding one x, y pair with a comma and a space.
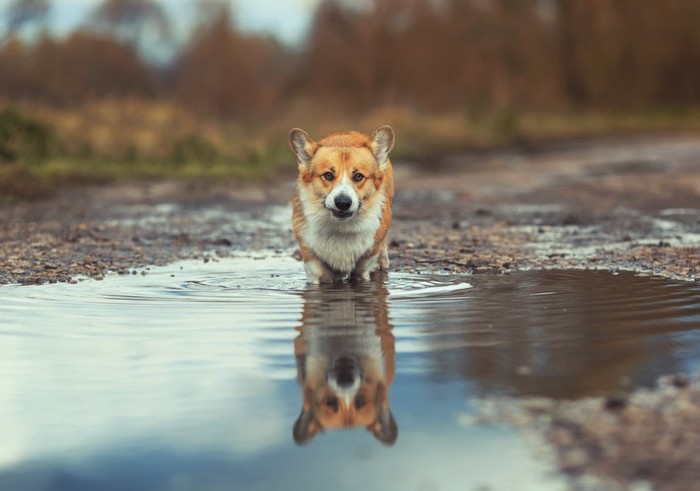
343, 202
346, 378
344, 368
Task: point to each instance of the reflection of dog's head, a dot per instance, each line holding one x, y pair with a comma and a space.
334, 403
345, 360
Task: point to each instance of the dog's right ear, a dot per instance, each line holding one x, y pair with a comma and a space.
302, 145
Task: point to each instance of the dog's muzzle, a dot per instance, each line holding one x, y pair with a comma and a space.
342, 205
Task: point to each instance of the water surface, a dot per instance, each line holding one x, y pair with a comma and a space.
233, 374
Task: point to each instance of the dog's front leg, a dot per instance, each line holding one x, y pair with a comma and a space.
365, 267
317, 272
383, 257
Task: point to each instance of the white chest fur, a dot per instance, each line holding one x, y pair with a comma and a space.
339, 244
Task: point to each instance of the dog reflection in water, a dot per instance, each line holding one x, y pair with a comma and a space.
345, 361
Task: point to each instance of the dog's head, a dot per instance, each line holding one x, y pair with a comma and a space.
346, 398
344, 171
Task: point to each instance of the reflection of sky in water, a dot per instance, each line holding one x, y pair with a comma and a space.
237, 446
186, 378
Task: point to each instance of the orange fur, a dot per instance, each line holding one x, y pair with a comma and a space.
345, 139
343, 155
366, 338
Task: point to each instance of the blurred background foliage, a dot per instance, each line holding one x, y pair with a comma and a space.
92, 105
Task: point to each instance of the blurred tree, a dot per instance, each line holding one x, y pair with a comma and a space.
132, 21
81, 67
476, 56
87, 66
224, 73
340, 61
522, 51
12, 67
433, 54
567, 12
21, 13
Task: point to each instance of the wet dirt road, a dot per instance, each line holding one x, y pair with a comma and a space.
629, 204
632, 204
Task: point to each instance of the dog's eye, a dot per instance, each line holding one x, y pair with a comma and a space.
332, 402
360, 401
328, 176
357, 177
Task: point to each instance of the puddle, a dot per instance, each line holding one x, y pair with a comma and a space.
210, 376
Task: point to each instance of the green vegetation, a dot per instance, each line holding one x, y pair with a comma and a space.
43, 150
23, 139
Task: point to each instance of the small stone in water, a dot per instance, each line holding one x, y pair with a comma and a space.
616, 401
680, 380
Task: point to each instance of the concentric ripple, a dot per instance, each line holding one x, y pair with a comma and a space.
558, 327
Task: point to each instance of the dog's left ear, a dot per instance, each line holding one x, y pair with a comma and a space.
305, 427
302, 145
381, 143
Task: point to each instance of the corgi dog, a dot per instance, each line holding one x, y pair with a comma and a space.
342, 203
345, 362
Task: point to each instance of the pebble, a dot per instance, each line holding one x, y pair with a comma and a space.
616, 401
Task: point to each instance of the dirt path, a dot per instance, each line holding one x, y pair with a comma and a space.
632, 205
625, 204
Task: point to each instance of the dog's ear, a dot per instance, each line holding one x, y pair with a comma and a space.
306, 426
381, 143
385, 428
302, 145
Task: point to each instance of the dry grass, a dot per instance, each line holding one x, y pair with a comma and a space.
111, 140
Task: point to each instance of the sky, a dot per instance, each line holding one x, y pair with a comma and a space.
287, 20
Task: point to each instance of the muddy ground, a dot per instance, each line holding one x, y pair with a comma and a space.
630, 204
